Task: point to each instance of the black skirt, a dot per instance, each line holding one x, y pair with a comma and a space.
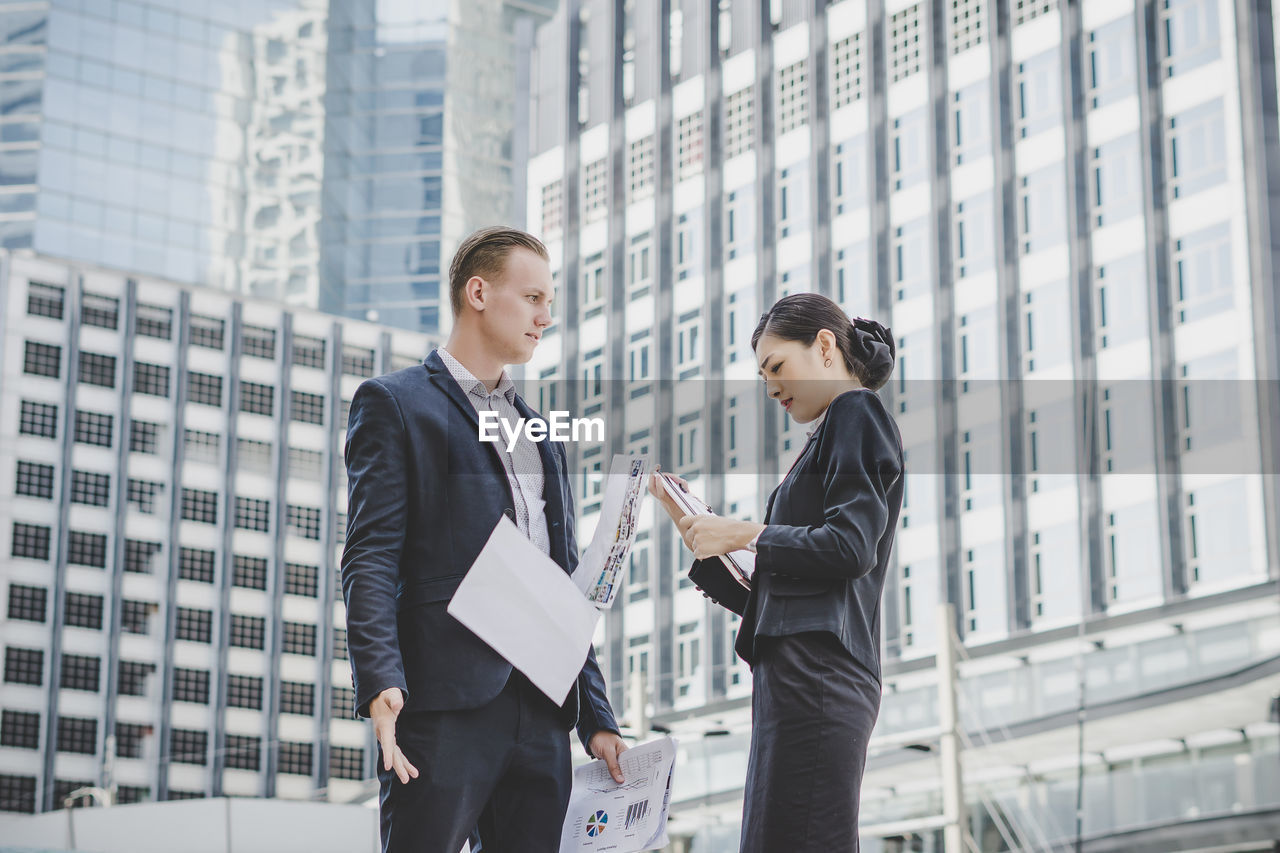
813, 707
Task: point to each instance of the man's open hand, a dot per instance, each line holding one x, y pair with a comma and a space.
384, 709
607, 746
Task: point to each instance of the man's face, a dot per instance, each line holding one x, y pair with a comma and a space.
517, 307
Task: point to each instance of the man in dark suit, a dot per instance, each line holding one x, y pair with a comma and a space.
465, 741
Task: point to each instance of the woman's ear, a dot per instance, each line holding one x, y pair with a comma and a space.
828, 347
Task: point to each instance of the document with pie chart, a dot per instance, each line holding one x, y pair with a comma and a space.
609, 817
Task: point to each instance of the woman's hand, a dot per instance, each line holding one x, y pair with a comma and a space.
711, 535
660, 493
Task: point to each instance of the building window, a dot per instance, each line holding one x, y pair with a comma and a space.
138, 555
135, 616
1113, 63
30, 541
244, 752
1029, 10
357, 361
253, 456
133, 677
847, 71
689, 145
793, 97
297, 697
194, 625
90, 488
975, 242
244, 691
34, 480
130, 738
1190, 34
301, 579
249, 572
640, 168
200, 505
259, 342
904, 43
101, 311
127, 794
27, 603
207, 332
94, 428
187, 746
23, 666
306, 408
84, 610
45, 300
87, 549
21, 730
257, 399
151, 379
80, 672
144, 437
196, 564
1117, 180
306, 464
308, 351
153, 321
1039, 89
971, 123
142, 495
968, 25
78, 735
295, 758
595, 186
346, 762
910, 159
303, 521
38, 419
204, 388
340, 651
738, 112
343, 706
552, 208
1196, 148
42, 360
201, 446
253, 514
191, 685
1202, 272
248, 632
18, 793
299, 639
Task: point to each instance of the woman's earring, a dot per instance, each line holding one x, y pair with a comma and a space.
826, 363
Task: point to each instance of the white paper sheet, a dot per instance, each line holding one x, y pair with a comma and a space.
528, 610
607, 817
602, 566
741, 563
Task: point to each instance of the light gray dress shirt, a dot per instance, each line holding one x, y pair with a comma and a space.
524, 464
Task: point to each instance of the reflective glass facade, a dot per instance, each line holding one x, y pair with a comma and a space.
299, 151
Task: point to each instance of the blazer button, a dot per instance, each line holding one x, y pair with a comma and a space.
509, 513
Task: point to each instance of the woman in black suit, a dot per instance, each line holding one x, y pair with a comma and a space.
811, 624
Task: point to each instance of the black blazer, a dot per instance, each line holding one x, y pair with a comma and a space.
424, 495
821, 559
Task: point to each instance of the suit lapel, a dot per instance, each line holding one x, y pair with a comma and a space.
443, 379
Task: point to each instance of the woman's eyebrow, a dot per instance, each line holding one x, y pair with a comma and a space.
764, 364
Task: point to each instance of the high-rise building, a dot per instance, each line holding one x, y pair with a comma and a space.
173, 508
301, 151
1065, 212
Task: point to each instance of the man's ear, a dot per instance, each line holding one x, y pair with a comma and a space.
474, 294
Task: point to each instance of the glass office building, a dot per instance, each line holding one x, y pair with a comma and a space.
301, 151
1065, 212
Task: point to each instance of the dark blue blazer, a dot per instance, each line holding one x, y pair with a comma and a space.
821, 559
424, 495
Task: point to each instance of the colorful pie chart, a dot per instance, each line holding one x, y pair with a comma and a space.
596, 823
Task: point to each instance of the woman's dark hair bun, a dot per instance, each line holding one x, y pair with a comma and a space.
867, 346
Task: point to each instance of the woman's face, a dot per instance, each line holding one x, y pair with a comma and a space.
797, 377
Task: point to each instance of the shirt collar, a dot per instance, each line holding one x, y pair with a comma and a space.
473, 386
817, 424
